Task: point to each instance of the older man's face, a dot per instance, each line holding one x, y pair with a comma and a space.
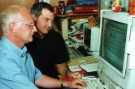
25, 27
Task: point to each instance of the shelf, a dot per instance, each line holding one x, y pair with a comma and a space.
76, 15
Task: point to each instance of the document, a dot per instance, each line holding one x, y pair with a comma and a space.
90, 67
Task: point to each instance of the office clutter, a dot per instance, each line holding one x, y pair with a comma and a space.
85, 9
89, 67
76, 7
74, 64
131, 7
76, 35
76, 21
116, 7
79, 34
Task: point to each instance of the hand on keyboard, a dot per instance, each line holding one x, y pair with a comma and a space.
93, 83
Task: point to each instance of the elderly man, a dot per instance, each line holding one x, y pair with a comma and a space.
17, 70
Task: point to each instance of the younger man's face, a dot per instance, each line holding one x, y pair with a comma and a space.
44, 21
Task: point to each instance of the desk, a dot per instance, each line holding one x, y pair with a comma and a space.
74, 64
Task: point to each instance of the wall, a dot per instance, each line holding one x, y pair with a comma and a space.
105, 4
55, 2
5, 3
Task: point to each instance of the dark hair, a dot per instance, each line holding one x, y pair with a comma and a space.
37, 8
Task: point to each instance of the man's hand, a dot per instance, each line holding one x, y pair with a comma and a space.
76, 83
75, 75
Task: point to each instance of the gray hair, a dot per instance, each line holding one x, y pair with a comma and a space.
8, 16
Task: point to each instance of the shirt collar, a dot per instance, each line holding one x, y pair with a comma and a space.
14, 48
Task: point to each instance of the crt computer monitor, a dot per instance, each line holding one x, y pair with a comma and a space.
113, 43
114, 35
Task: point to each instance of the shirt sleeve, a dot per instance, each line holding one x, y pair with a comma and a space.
11, 77
38, 74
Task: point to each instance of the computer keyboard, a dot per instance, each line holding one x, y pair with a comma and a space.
93, 83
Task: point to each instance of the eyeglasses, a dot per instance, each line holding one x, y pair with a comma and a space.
29, 25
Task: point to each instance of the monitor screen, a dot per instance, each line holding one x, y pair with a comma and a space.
113, 40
